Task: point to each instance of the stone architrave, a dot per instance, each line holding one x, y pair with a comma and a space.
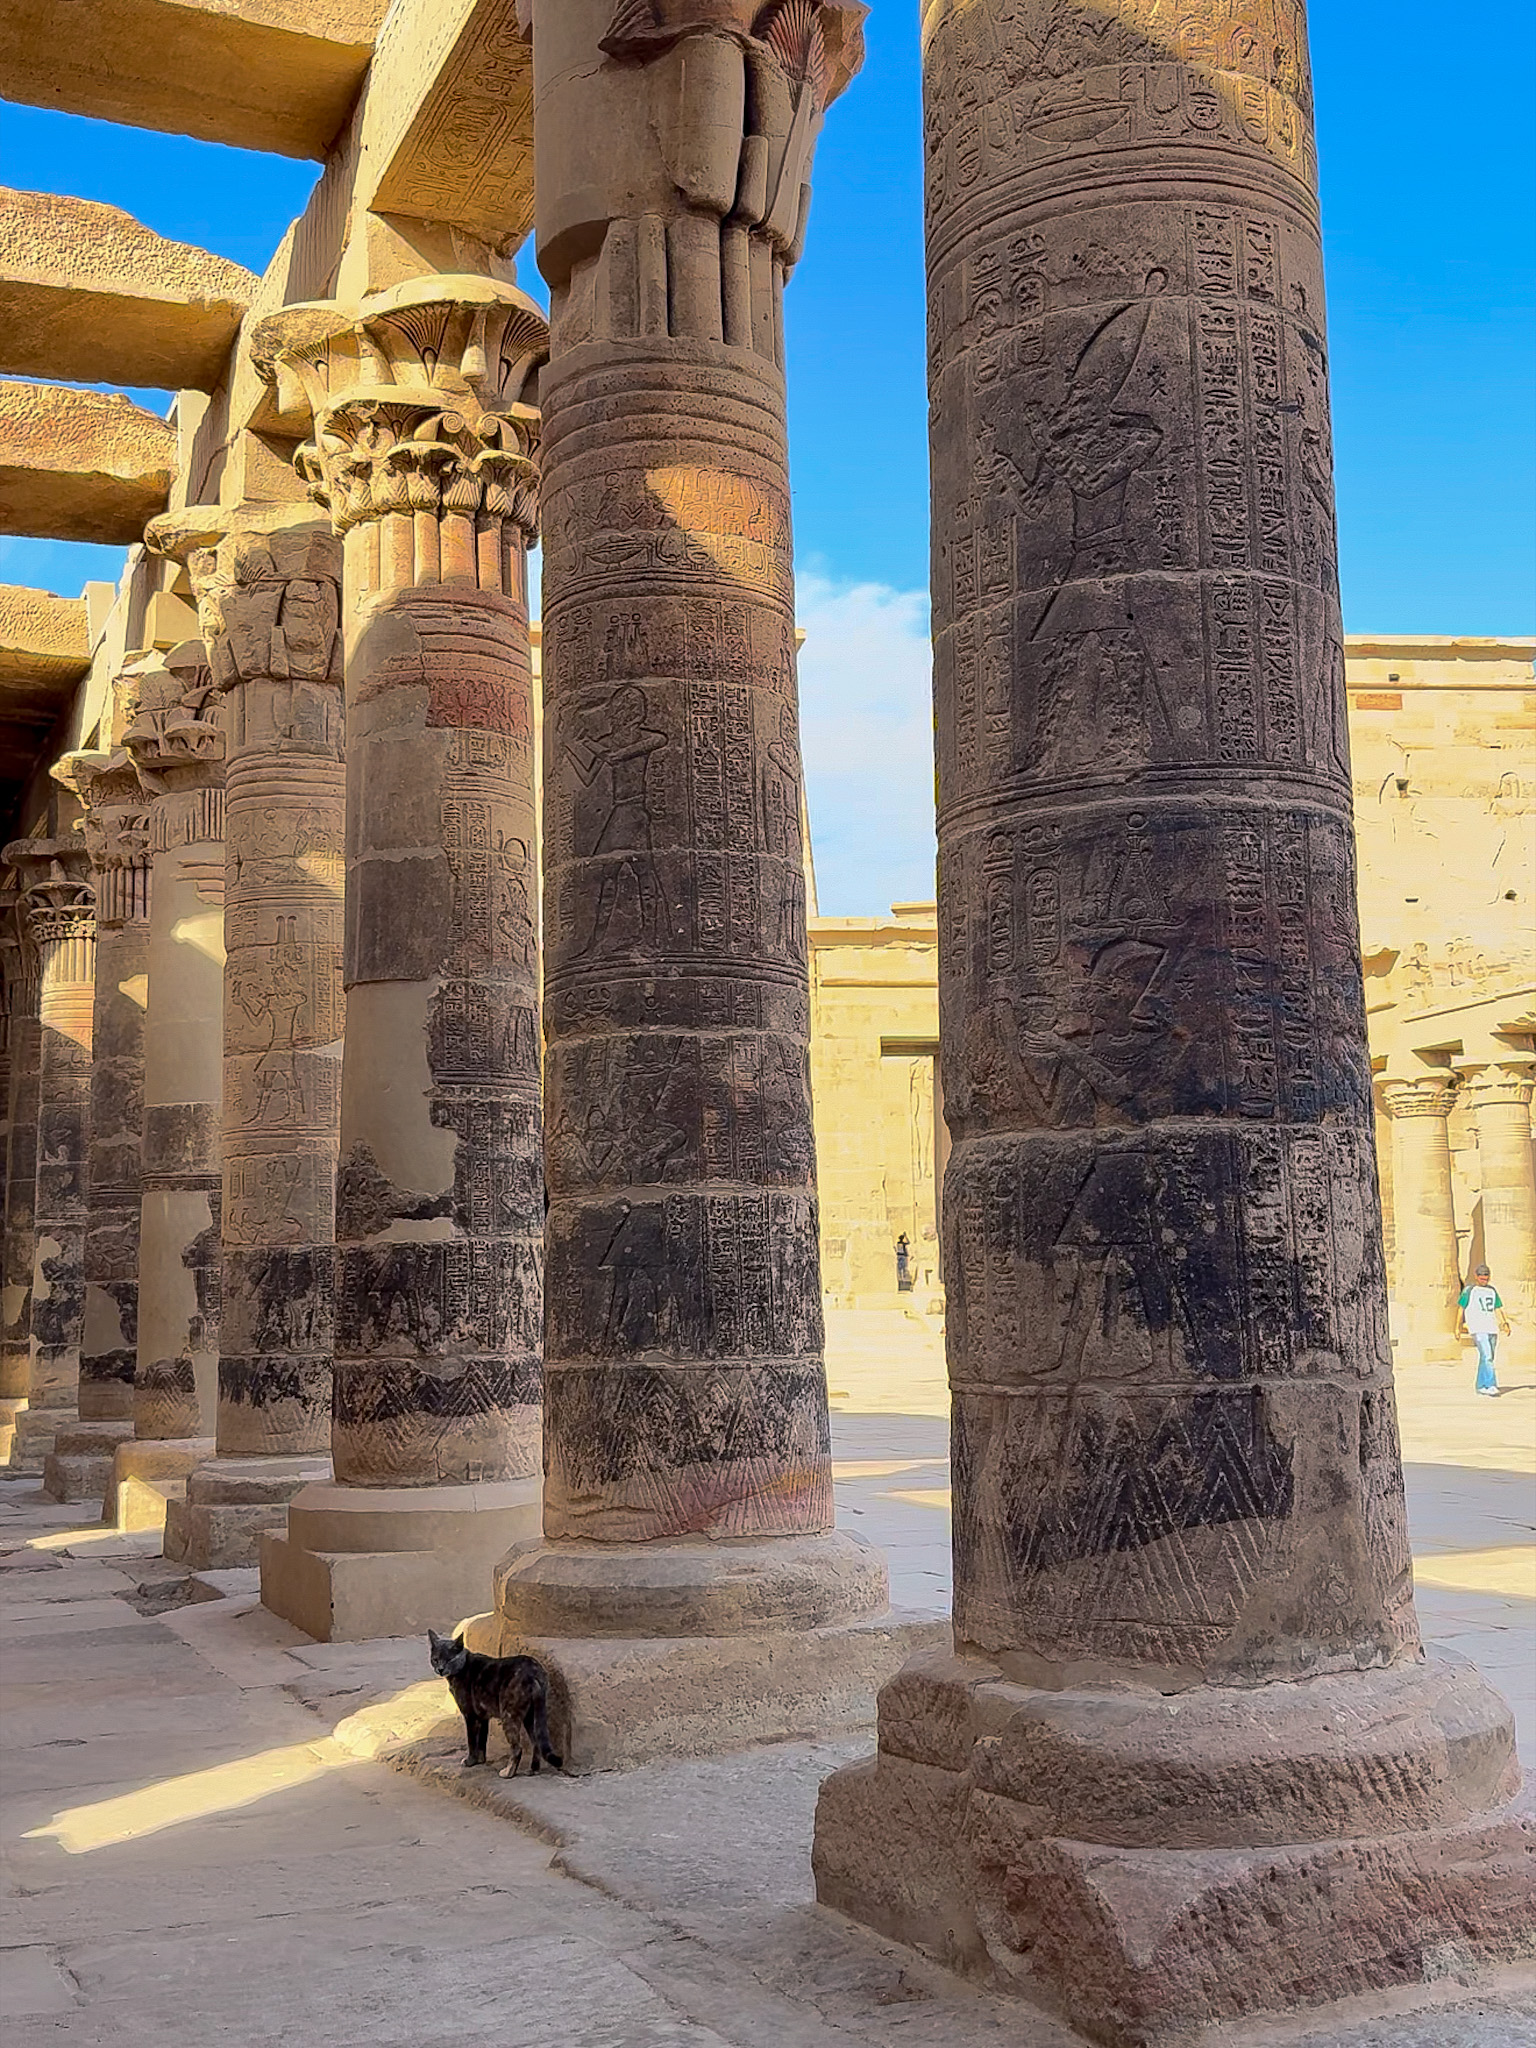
1428, 1273
424, 452
269, 607
58, 905
175, 740
23, 1030
1500, 1095
688, 1486
1187, 1714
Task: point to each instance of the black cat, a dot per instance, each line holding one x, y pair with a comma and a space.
511, 1690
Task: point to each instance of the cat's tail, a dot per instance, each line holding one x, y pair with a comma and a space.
538, 1728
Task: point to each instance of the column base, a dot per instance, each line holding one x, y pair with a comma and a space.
229, 1503
698, 1648
34, 1436
147, 1474
9, 1410
79, 1467
363, 1561
1146, 1866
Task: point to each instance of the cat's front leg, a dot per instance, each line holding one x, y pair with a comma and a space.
477, 1728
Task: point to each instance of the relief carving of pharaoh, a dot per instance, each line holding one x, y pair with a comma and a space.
658, 196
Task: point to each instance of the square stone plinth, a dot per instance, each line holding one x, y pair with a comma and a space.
230, 1504
147, 1473
616, 1702
33, 1436
79, 1467
358, 1562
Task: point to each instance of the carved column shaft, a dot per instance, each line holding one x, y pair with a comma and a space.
25, 1038
270, 605
176, 744
116, 835
1167, 1320
1428, 1276
424, 456
685, 1389
59, 909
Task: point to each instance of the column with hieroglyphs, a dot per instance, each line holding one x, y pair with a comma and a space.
268, 585
1187, 1710
176, 742
23, 1031
1427, 1278
1500, 1095
424, 452
688, 1499
115, 832
60, 910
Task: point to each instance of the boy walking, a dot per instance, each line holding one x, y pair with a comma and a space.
1482, 1318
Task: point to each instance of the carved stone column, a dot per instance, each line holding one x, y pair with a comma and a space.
176, 743
1500, 1095
685, 1390
59, 910
114, 831
423, 451
268, 586
24, 1033
1427, 1279
1188, 1710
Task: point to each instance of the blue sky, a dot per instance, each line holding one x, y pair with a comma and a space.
1430, 236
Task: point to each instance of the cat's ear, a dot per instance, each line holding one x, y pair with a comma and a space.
434, 1638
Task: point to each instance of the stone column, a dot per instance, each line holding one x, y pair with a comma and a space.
1183, 1610
1500, 1094
24, 1032
269, 602
688, 1492
424, 452
1427, 1278
59, 909
176, 743
115, 833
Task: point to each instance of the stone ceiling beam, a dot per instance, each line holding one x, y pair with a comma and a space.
89, 293
80, 465
258, 74
45, 648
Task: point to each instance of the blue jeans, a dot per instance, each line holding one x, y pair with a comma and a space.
1486, 1344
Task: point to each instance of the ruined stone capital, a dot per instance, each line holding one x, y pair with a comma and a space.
417, 400
114, 831
176, 744
57, 899
268, 586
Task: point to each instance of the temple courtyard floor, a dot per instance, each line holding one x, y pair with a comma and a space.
198, 1848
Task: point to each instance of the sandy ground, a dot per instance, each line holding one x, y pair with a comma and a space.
191, 1857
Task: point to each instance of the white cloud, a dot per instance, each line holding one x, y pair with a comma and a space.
867, 730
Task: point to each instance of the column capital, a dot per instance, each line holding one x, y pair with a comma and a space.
418, 399
1420, 1095
57, 898
268, 585
114, 830
1494, 1082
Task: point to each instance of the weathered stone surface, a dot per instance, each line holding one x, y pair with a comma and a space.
90, 294
24, 1047
43, 638
1175, 1455
80, 465
269, 597
424, 453
147, 1473
60, 911
175, 739
256, 74
685, 1389
217, 1525
79, 1464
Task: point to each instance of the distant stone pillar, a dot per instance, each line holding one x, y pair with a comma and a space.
60, 911
116, 834
176, 744
1176, 1469
1500, 1095
424, 453
1427, 1281
685, 1389
24, 1032
268, 590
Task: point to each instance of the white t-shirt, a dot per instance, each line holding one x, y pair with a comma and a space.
1480, 1305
